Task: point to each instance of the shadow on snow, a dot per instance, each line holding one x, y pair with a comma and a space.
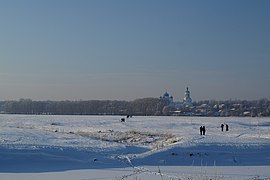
53, 159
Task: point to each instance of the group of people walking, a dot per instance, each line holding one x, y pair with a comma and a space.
222, 127
203, 130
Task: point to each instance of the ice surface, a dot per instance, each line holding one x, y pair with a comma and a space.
105, 147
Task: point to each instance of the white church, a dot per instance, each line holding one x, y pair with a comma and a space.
187, 101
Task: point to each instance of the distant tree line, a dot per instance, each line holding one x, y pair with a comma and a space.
143, 107
146, 106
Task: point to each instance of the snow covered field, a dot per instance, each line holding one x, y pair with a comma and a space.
102, 147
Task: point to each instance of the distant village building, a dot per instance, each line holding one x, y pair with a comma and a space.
186, 107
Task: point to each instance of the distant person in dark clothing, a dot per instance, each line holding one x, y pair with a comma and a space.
227, 127
203, 130
222, 127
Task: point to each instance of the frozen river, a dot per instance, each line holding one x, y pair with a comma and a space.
34, 144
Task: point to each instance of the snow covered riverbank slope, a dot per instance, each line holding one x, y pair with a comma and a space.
85, 147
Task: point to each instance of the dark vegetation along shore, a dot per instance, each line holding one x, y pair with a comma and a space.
144, 106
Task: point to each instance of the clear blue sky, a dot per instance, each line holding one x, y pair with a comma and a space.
123, 50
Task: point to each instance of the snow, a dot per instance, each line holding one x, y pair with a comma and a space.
103, 147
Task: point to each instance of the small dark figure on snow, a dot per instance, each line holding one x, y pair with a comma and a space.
123, 119
227, 127
129, 116
222, 127
203, 130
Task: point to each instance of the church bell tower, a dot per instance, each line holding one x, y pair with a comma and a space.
187, 99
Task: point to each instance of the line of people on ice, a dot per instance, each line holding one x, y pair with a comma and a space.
203, 130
